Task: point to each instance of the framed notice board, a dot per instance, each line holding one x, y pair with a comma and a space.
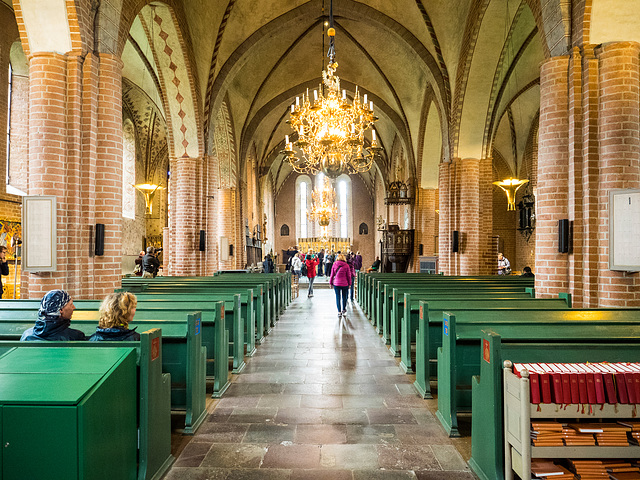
39, 235
624, 230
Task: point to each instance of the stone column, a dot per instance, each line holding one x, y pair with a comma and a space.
553, 158
619, 152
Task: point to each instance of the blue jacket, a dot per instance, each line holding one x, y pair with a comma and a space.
52, 329
116, 334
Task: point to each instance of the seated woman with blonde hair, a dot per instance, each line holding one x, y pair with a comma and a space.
116, 312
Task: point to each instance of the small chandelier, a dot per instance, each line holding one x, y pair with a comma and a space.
330, 131
510, 186
323, 205
149, 191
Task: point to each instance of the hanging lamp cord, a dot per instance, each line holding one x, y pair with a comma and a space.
332, 48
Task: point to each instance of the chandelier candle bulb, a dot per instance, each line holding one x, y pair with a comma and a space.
373, 135
365, 99
297, 101
371, 105
315, 95
344, 94
293, 108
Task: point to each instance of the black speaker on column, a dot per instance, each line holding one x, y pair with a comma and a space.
421, 249
455, 241
563, 235
99, 239
202, 241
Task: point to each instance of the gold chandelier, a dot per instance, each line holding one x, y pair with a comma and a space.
323, 205
510, 187
330, 130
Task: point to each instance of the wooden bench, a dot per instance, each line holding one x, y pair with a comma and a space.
273, 287
263, 303
154, 397
183, 357
368, 283
487, 423
432, 312
460, 354
215, 336
393, 301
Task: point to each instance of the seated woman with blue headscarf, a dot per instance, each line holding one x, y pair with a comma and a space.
54, 318
116, 312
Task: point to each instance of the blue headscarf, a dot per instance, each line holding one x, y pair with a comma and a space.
53, 302
49, 316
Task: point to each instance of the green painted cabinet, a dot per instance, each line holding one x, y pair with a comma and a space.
68, 413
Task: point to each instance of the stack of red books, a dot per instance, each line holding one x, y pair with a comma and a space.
582, 383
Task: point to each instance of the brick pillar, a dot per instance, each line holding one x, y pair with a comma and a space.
226, 223
467, 178
47, 149
553, 156
589, 193
185, 247
108, 177
619, 152
425, 224
444, 229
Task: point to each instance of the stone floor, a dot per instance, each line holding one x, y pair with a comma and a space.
321, 399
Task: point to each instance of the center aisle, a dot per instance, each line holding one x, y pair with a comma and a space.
321, 399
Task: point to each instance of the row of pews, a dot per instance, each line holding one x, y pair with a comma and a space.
455, 333
195, 333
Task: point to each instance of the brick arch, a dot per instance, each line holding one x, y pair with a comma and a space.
178, 89
60, 36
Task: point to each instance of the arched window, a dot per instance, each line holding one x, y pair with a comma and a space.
284, 230
303, 202
363, 229
343, 191
128, 169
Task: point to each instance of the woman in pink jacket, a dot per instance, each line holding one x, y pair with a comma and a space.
340, 280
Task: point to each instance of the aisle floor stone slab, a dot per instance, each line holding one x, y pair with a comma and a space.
322, 398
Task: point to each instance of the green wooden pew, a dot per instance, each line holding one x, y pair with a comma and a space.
432, 311
154, 398
246, 309
382, 288
391, 302
215, 336
368, 283
273, 287
263, 295
459, 356
183, 357
487, 437
235, 323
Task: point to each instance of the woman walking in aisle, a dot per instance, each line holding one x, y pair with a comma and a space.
311, 261
340, 280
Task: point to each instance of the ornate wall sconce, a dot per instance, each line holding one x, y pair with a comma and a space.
510, 186
149, 191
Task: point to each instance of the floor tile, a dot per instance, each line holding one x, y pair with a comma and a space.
321, 399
